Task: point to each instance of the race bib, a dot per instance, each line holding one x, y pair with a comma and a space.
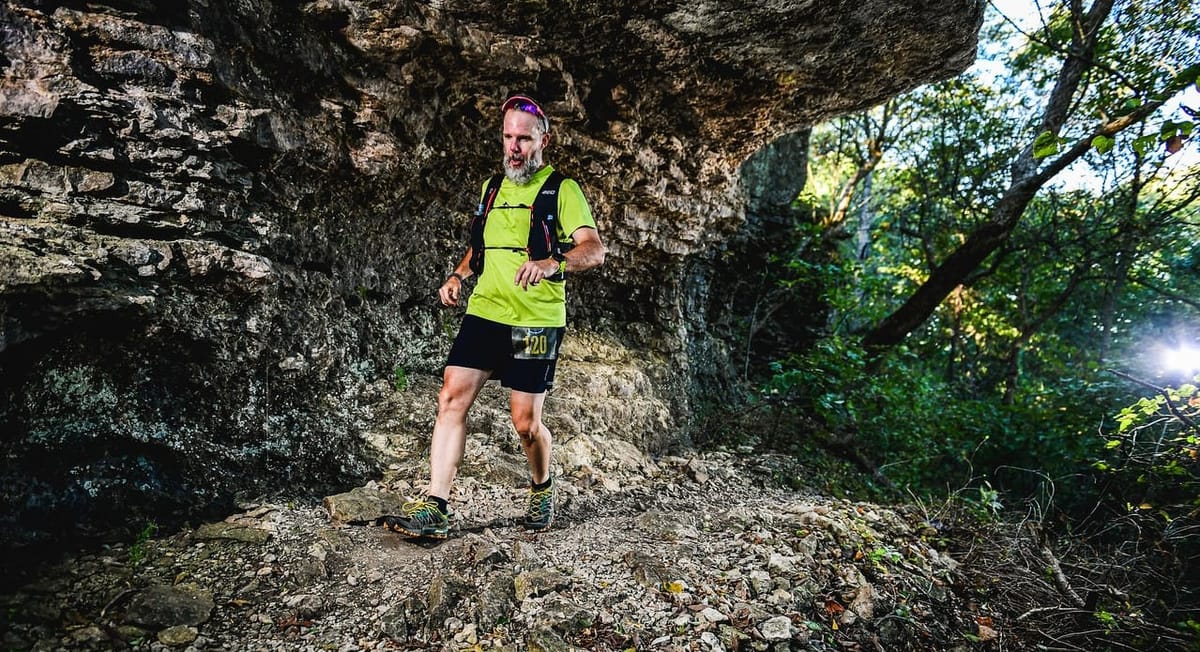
534, 343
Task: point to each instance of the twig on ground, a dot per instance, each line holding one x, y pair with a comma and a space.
1054, 609
1056, 571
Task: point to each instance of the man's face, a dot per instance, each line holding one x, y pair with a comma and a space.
523, 145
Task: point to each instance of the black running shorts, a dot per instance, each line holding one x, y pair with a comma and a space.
522, 358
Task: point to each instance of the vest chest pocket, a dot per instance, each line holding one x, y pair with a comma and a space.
534, 343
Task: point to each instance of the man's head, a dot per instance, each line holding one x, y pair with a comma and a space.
525, 135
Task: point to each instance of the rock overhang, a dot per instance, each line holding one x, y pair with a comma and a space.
243, 202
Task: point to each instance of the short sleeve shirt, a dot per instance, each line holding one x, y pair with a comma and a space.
496, 296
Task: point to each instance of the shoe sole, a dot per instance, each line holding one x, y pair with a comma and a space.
423, 535
419, 535
538, 527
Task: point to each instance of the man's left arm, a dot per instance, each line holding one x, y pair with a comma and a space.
588, 251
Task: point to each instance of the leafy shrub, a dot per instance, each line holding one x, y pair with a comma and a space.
1153, 453
929, 433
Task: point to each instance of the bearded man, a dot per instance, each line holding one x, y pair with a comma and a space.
532, 228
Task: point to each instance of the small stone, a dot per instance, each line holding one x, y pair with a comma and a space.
216, 531
733, 637
781, 565
647, 570
525, 553
760, 581
490, 555
713, 643
178, 636
468, 635
545, 640
403, 622
864, 602
494, 604
779, 597
361, 504
446, 591
713, 616
530, 584
129, 632
318, 552
778, 628
166, 606
86, 636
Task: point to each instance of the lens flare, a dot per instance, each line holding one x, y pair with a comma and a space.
1185, 359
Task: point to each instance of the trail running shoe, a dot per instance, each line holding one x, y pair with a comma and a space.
540, 512
422, 518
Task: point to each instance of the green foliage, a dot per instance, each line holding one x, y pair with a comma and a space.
987, 502
1046, 144
1154, 451
924, 431
137, 550
400, 379
1103, 144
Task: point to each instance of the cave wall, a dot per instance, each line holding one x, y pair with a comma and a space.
223, 222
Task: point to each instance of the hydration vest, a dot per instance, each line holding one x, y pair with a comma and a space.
543, 239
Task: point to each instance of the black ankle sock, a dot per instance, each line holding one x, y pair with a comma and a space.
549, 481
442, 504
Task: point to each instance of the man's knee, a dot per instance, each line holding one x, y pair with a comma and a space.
527, 425
453, 399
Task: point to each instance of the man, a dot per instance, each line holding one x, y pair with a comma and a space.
516, 315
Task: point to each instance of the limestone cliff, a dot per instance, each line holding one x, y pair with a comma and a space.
222, 223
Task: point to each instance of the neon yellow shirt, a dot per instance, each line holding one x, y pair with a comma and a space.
496, 296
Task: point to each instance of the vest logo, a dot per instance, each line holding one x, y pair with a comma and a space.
553, 191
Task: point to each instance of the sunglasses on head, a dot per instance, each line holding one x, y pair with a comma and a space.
526, 105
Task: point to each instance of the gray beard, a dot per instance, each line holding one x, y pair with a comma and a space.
523, 174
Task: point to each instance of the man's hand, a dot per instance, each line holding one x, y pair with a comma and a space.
449, 291
533, 271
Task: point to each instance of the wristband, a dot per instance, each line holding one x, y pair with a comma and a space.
457, 276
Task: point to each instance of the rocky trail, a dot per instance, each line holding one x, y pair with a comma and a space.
710, 552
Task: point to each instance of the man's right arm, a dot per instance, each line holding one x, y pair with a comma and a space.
451, 288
